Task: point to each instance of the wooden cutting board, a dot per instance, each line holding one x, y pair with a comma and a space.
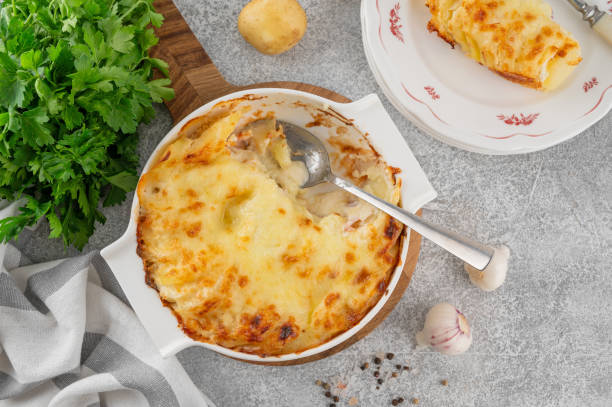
197, 81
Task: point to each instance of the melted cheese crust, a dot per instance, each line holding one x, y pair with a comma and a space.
243, 262
515, 38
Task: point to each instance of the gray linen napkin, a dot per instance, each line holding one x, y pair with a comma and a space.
68, 338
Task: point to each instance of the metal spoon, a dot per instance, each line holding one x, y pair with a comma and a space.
307, 148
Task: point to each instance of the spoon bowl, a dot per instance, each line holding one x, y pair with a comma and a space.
310, 150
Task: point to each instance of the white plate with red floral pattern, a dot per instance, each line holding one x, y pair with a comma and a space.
457, 101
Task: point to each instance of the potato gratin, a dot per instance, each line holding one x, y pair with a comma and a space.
515, 38
248, 260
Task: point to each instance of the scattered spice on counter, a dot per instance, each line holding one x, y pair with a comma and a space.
389, 370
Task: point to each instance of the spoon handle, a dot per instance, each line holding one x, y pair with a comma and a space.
603, 26
471, 252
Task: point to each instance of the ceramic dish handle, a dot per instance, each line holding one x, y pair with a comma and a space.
372, 118
127, 267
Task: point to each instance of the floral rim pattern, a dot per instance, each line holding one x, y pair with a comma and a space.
513, 119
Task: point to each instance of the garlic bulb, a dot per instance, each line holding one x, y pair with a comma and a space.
446, 330
494, 274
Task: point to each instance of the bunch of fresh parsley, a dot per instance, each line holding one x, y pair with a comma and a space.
74, 85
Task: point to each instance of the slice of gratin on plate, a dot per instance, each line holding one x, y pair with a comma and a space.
515, 38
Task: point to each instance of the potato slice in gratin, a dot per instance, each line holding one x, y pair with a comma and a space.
515, 38
248, 260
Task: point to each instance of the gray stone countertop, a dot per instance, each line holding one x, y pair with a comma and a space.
543, 339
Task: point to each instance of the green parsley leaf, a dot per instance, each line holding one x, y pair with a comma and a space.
12, 90
54, 224
72, 117
69, 24
12, 226
159, 91
7, 64
124, 180
31, 59
160, 64
33, 130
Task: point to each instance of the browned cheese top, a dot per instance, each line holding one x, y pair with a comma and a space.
248, 260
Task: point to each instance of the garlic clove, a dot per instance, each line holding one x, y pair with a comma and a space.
446, 330
494, 274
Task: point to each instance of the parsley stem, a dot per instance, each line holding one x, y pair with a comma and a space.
138, 3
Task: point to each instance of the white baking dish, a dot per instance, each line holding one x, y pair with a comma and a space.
367, 115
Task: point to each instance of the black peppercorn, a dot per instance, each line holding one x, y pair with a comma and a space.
398, 367
380, 381
327, 394
336, 399
332, 405
376, 374
394, 402
390, 356
400, 400
377, 360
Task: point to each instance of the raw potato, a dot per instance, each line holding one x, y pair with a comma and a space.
272, 26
